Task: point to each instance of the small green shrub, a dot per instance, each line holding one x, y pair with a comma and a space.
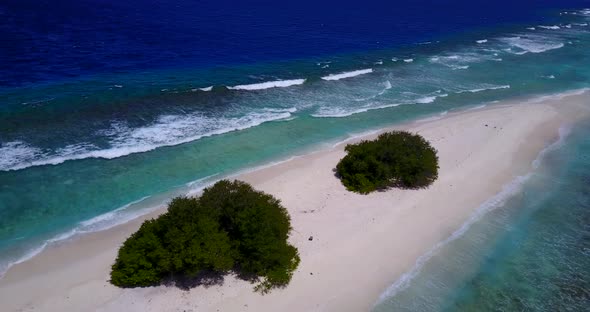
394, 159
231, 227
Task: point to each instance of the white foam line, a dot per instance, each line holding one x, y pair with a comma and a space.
198, 181
498, 200
558, 96
206, 89
430, 99
426, 100
24, 258
485, 89
564, 132
268, 85
353, 137
89, 226
286, 119
37, 101
83, 228
201, 185
386, 86
281, 110
432, 118
532, 44
347, 74
84, 225
477, 107
120, 151
350, 113
343, 113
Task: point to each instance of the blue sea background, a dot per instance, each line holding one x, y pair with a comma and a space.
110, 108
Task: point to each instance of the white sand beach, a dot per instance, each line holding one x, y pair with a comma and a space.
361, 243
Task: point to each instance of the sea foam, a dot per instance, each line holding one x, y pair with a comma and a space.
426, 99
121, 215
268, 85
460, 60
344, 111
167, 130
339, 112
532, 44
386, 86
348, 74
99, 223
16, 153
432, 118
486, 88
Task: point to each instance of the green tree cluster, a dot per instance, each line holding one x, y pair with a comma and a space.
394, 159
231, 227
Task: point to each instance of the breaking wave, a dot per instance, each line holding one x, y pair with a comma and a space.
167, 130
532, 44
348, 74
268, 85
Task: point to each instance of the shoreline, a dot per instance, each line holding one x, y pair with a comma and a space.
90, 254
508, 190
162, 198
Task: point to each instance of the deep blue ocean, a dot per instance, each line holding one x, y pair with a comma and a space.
110, 108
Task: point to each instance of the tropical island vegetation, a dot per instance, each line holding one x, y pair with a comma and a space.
394, 159
231, 227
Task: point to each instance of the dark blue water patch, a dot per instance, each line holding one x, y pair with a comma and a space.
47, 41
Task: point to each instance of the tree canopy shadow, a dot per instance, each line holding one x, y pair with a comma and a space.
203, 278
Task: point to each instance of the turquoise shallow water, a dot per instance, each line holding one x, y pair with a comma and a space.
529, 252
75, 154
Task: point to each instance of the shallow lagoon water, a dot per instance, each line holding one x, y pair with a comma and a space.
527, 251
